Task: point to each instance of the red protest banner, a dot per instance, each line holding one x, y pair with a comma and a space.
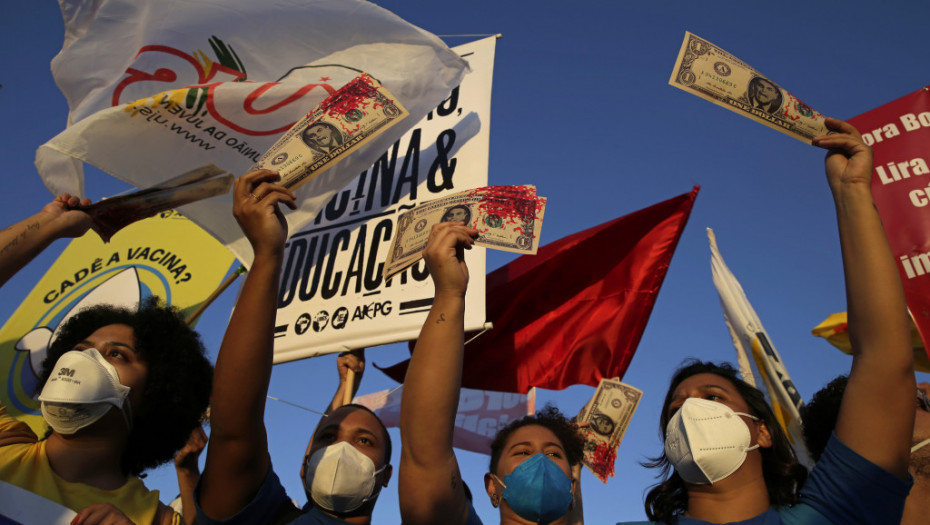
899, 133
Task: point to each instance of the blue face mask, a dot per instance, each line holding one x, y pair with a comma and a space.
537, 490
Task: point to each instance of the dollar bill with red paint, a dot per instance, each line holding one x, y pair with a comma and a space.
349, 118
603, 421
507, 218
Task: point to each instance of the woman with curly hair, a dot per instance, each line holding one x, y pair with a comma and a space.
534, 460
121, 390
726, 459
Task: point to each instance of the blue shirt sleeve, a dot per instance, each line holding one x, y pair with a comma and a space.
263, 507
473, 518
847, 488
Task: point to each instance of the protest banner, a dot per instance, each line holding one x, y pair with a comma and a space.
332, 295
766, 366
166, 256
201, 85
898, 133
480, 415
556, 326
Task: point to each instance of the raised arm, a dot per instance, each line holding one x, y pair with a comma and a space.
877, 413
21, 242
430, 484
237, 456
188, 471
354, 361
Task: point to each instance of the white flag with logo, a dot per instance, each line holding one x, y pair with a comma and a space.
158, 87
749, 338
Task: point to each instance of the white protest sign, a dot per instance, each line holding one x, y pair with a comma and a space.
332, 295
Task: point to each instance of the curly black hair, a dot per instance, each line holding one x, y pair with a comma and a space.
819, 416
784, 475
549, 417
177, 384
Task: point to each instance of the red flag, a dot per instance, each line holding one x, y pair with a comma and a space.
574, 312
899, 133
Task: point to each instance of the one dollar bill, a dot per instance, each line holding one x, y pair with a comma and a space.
356, 113
604, 420
507, 218
715, 75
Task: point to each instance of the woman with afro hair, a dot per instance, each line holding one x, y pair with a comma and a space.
121, 390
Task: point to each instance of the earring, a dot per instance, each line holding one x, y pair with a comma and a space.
495, 501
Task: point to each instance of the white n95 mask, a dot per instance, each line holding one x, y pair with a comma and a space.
340, 479
707, 441
82, 388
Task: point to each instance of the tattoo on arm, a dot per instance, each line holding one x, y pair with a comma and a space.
22, 235
442, 318
11, 244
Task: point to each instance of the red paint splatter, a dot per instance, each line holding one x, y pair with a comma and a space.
601, 458
514, 205
361, 94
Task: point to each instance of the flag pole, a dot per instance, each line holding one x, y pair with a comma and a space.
192, 318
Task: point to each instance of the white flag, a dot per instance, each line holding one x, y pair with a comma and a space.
750, 338
157, 87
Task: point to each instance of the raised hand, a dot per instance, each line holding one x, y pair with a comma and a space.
849, 159
444, 255
255, 206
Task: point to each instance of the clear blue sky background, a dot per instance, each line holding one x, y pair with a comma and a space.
582, 109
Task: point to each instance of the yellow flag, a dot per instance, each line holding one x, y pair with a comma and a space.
834, 330
167, 256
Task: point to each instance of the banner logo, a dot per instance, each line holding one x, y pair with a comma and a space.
157, 67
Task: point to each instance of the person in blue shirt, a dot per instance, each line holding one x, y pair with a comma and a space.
348, 460
534, 460
719, 443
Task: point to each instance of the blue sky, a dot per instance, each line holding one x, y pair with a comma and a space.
581, 108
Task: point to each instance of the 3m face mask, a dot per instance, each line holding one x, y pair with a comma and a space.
82, 388
341, 479
707, 441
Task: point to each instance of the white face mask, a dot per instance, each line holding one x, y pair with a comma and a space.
706, 441
340, 479
82, 388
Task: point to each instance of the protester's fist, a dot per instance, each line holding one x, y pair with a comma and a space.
255, 206
71, 222
445, 256
354, 361
849, 159
187, 457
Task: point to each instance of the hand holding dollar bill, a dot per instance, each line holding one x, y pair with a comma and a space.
603, 421
112, 214
356, 113
715, 75
507, 218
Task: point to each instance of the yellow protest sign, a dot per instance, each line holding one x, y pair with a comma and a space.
166, 256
